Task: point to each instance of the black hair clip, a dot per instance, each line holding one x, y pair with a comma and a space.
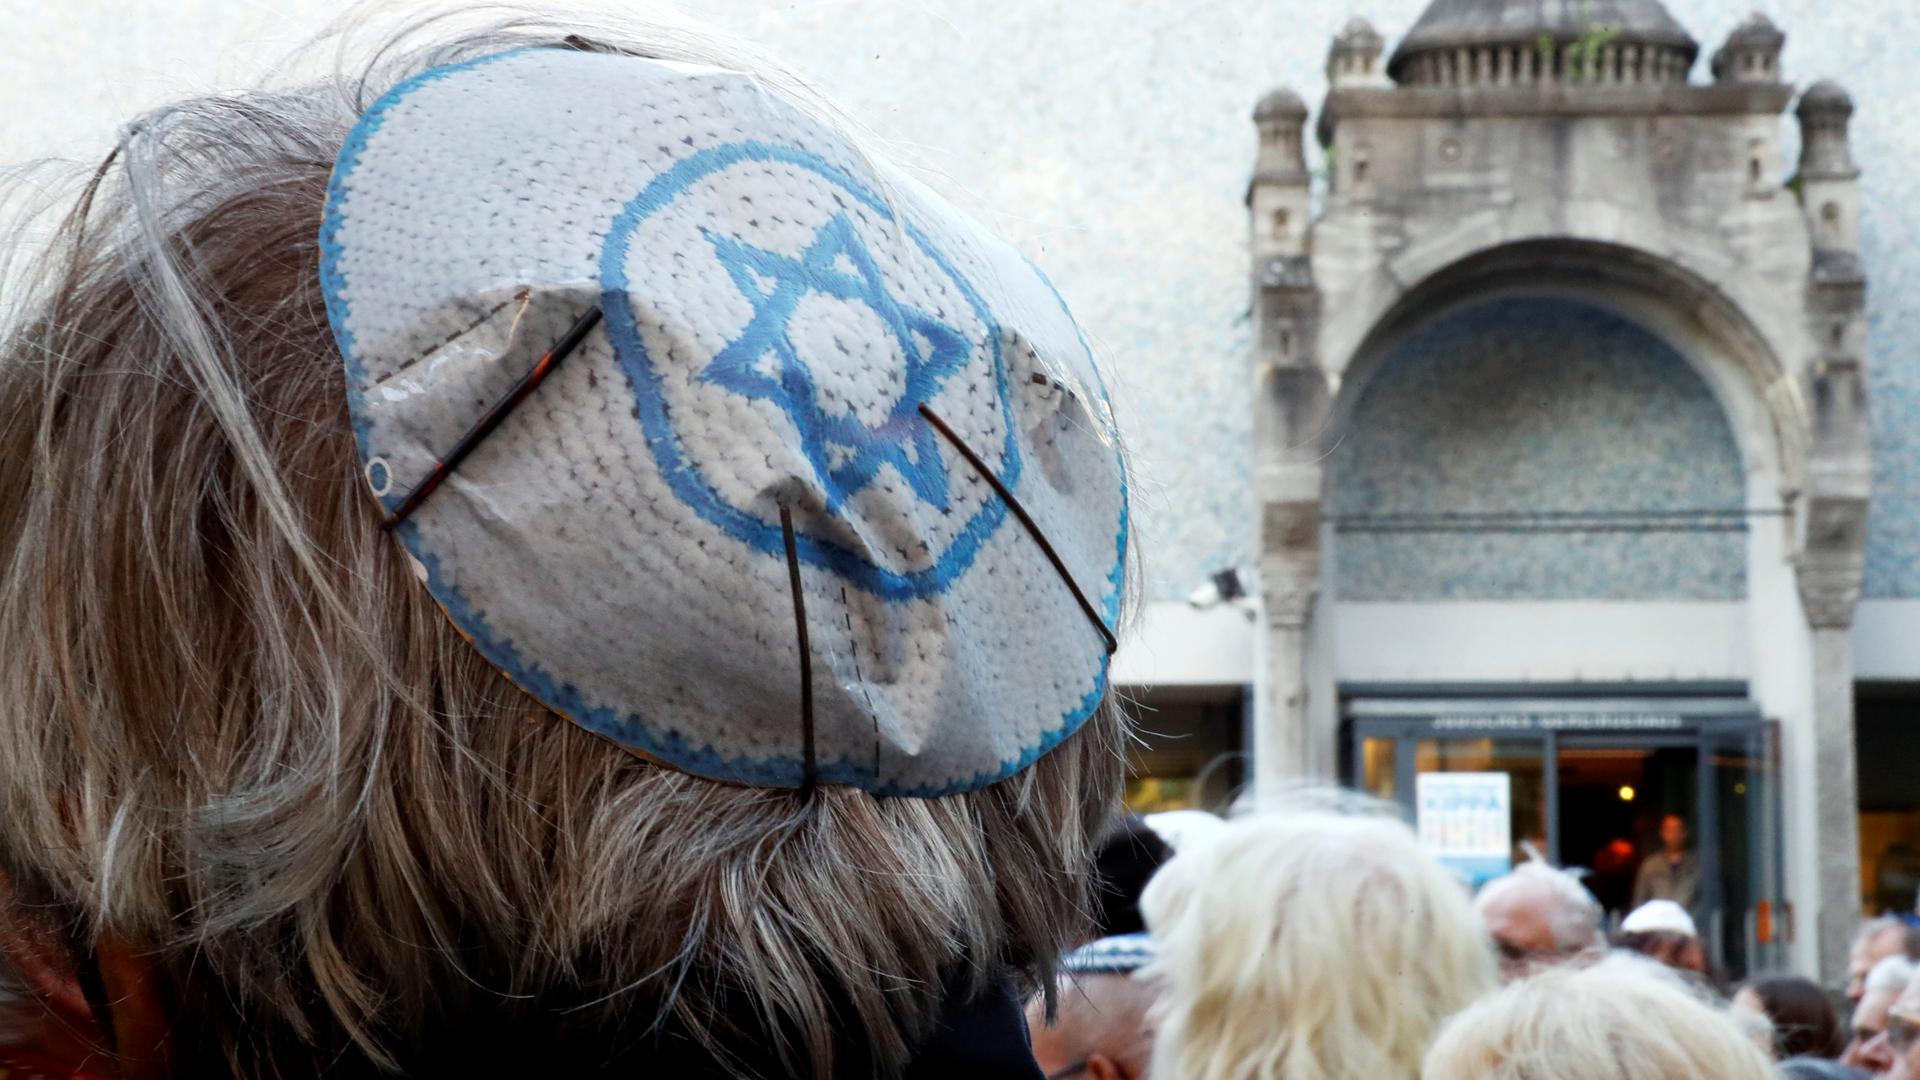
491, 419
1026, 519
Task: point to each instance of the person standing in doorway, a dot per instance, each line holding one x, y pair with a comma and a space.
1673, 872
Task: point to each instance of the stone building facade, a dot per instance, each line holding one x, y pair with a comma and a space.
1548, 168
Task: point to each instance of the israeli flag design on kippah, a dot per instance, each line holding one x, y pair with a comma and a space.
778, 308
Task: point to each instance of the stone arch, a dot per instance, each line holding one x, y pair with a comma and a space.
1516, 407
1714, 334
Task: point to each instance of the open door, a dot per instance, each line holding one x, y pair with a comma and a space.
1750, 922
1588, 781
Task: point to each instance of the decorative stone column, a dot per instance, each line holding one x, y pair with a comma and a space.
1832, 521
1290, 401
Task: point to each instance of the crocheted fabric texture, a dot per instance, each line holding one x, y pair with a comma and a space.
779, 307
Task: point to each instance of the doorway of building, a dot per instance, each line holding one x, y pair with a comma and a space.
1587, 780
1188, 750
1614, 797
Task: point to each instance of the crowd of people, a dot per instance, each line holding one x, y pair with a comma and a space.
1303, 943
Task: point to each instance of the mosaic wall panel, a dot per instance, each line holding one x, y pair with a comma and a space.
1535, 407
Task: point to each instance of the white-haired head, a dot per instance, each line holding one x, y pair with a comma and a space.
1891, 974
1622, 1018
1538, 914
1309, 945
1571, 910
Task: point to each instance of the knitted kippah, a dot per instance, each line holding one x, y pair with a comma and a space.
1121, 954
784, 319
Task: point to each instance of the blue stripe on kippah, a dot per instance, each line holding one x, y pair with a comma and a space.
1121, 954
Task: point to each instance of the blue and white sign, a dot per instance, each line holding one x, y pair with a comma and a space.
1465, 819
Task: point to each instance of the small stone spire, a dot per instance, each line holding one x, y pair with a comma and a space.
1354, 59
1825, 111
1751, 54
1280, 116
1829, 181
1277, 198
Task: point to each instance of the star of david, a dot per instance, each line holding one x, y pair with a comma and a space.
762, 363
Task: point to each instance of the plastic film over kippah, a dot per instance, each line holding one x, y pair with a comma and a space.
719, 437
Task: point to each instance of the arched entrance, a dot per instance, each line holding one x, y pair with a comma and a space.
1529, 459
1498, 153
1535, 448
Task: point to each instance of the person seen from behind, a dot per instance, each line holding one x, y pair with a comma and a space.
434, 646
1128, 855
1620, 1018
1103, 1023
1804, 1023
1661, 930
1538, 915
1308, 945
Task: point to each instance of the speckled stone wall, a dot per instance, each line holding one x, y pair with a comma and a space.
1111, 139
1533, 405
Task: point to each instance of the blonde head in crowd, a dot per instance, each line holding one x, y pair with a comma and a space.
1309, 945
1623, 1018
239, 738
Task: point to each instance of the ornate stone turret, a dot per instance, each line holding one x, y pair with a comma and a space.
1277, 199
1829, 184
1280, 116
1829, 180
1354, 59
1751, 54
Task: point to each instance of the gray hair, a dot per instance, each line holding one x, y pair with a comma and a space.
1891, 924
1891, 973
236, 735
1575, 915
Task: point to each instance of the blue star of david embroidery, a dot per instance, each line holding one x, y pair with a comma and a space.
762, 363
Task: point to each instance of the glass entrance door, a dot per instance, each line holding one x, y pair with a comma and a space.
1671, 798
1750, 918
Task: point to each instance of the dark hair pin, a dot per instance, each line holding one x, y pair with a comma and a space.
491, 419
806, 649
1026, 519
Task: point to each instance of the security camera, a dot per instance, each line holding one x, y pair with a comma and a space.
1227, 586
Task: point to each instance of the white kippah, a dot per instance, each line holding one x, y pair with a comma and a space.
780, 313
1659, 916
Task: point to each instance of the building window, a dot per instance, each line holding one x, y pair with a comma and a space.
1887, 742
1192, 749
